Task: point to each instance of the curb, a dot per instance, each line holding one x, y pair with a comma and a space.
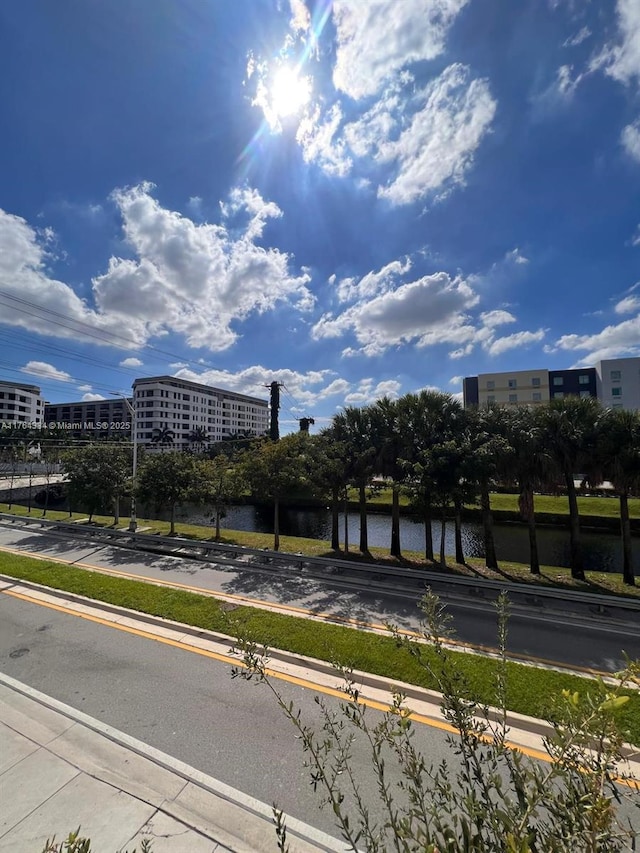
302, 831
530, 725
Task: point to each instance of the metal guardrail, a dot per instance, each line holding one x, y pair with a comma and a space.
333, 568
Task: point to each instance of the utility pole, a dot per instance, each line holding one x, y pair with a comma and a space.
304, 424
274, 429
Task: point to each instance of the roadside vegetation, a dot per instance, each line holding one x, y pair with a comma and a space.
433, 456
529, 691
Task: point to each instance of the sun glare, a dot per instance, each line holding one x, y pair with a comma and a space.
289, 92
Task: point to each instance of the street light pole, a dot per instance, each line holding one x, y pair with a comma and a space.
133, 521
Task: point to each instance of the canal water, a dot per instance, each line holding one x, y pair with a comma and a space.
602, 550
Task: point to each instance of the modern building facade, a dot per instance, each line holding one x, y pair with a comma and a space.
95, 418
618, 383
615, 382
165, 403
21, 404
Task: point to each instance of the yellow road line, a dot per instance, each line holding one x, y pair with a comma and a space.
291, 679
300, 611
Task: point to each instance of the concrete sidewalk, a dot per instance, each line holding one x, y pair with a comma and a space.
60, 768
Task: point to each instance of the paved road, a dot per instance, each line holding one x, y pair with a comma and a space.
569, 640
176, 701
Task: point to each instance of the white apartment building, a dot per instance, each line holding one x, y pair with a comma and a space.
165, 402
20, 404
97, 418
618, 383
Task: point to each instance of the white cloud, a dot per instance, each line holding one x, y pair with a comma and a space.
367, 392
621, 60
630, 139
373, 283
318, 136
35, 301
90, 398
497, 317
612, 342
436, 149
432, 304
516, 257
635, 240
515, 341
578, 38
198, 279
300, 16
455, 380
377, 38
628, 305
45, 371
131, 362
304, 388
85, 387
191, 279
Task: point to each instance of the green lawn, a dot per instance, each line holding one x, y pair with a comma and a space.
554, 505
604, 583
530, 690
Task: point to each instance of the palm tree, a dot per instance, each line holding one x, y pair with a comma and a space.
618, 453
530, 465
353, 428
163, 436
389, 441
426, 417
198, 437
569, 433
488, 452
329, 465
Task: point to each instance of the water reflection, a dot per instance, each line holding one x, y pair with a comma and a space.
602, 551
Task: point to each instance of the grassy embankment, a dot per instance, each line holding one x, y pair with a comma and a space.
530, 690
603, 583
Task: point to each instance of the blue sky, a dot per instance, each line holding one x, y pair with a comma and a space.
355, 198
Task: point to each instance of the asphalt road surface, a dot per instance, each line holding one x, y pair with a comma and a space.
569, 640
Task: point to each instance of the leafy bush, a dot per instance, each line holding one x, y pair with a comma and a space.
490, 797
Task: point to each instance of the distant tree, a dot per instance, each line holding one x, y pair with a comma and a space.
570, 434
618, 455
328, 477
198, 438
218, 481
163, 437
166, 480
274, 469
353, 427
97, 477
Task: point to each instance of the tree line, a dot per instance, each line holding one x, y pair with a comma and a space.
424, 445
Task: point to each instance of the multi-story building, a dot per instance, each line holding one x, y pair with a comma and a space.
94, 418
618, 382
21, 404
182, 408
615, 382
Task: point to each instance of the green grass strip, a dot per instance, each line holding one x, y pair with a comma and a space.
530, 690
553, 577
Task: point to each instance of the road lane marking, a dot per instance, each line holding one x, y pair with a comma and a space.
288, 609
291, 679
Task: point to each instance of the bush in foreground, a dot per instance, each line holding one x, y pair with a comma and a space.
489, 797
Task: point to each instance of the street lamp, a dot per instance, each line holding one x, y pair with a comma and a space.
133, 521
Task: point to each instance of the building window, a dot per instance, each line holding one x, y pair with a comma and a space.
616, 375
536, 381
537, 397
558, 395
513, 383
490, 385
617, 406
558, 380
513, 398
583, 379
585, 393
616, 392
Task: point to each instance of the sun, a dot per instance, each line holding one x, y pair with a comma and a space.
289, 93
